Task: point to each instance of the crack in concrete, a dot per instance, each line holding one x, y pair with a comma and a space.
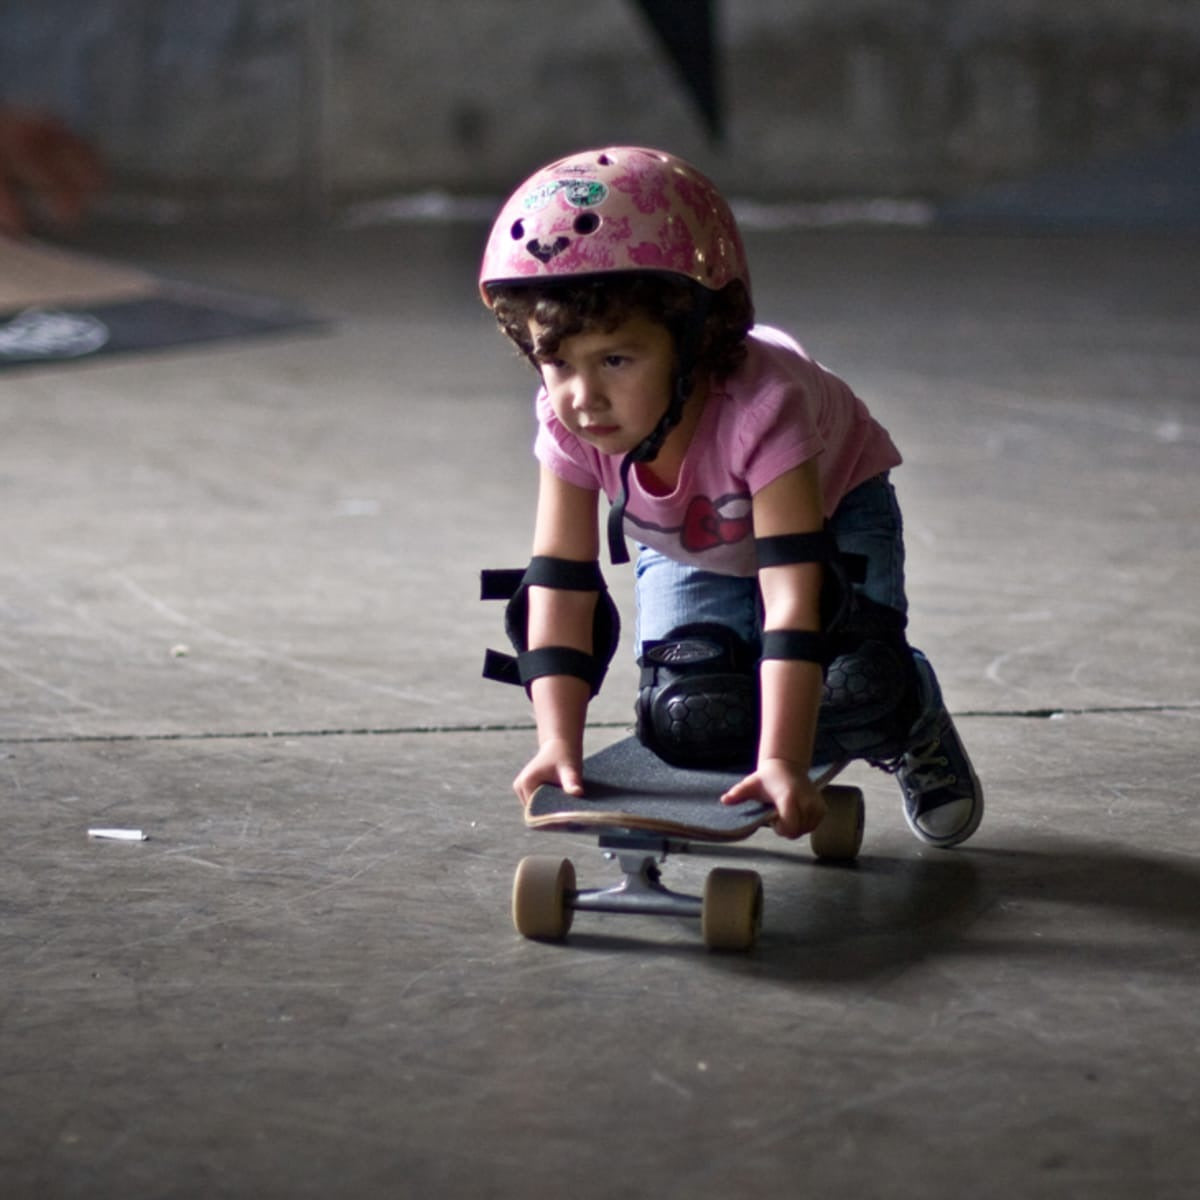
1040, 714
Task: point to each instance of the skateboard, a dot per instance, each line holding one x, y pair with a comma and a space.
643, 810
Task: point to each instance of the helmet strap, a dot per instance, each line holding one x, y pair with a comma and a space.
682, 383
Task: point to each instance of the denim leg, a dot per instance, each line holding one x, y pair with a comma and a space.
670, 594
868, 522
931, 699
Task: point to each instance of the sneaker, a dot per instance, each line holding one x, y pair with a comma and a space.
943, 798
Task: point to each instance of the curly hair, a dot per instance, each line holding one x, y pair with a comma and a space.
572, 306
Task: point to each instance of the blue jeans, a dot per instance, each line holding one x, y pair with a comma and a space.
867, 522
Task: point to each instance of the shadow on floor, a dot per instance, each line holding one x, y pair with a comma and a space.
1094, 907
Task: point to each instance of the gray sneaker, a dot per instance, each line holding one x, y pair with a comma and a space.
943, 798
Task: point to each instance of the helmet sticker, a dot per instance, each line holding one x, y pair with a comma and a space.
536, 200
578, 193
584, 193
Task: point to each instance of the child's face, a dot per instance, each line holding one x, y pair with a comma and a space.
611, 388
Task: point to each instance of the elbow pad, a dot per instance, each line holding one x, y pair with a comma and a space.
840, 571
527, 665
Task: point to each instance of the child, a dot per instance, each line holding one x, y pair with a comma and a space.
754, 482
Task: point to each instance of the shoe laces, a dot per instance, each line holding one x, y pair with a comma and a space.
924, 768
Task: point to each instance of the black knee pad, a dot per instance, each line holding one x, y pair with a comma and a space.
698, 704
869, 702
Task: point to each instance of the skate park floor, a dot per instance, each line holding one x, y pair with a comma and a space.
239, 613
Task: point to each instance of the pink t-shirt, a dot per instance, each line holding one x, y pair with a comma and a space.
779, 409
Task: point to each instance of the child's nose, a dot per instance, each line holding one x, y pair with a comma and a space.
586, 394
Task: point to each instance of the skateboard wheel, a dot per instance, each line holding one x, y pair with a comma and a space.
732, 913
540, 894
839, 836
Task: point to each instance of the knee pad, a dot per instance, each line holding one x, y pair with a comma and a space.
527, 665
869, 703
697, 703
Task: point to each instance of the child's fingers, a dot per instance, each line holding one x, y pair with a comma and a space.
529, 780
567, 775
796, 819
787, 824
570, 780
749, 788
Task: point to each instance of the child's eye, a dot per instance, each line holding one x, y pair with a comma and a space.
615, 360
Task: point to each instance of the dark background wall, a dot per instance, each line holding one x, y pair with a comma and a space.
301, 106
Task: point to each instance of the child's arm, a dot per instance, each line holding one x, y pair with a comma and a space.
790, 690
566, 528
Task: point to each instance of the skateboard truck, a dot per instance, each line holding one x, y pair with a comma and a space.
642, 889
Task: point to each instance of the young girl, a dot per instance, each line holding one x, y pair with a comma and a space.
769, 576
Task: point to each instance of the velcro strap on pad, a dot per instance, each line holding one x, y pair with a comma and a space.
500, 584
796, 645
563, 573
788, 548
543, 571
501, 668
556, 660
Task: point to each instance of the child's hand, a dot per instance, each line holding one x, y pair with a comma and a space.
554, 762
787, 786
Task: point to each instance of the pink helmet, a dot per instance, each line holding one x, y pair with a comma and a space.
620, 209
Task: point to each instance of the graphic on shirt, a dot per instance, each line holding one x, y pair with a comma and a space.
708, 523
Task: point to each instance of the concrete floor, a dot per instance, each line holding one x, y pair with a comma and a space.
238, 611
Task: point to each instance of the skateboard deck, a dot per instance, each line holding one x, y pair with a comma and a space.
627, 786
